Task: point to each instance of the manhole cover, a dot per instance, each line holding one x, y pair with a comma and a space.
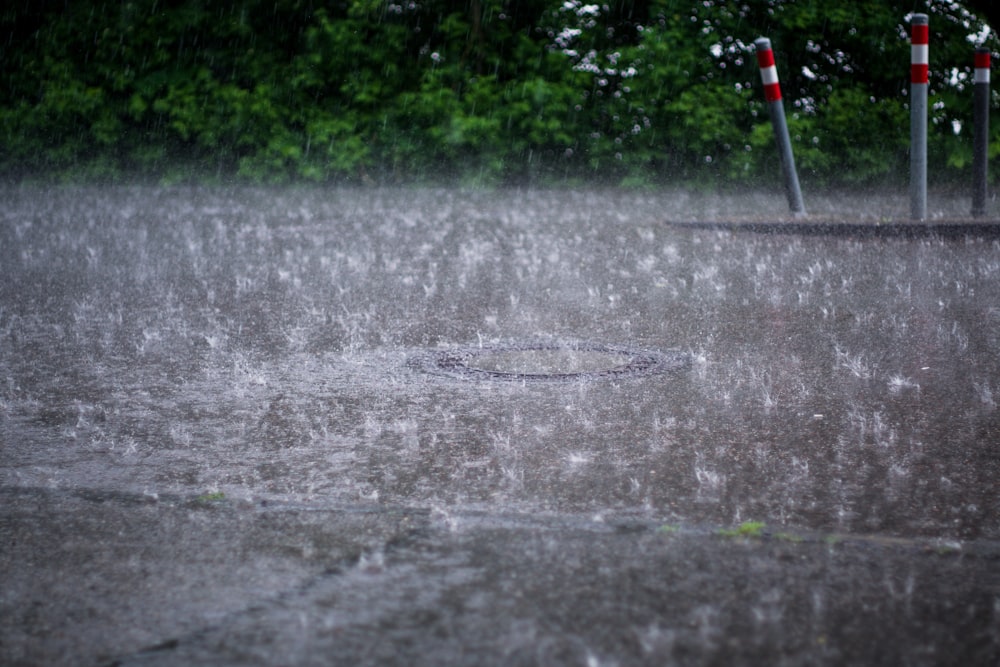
547, 361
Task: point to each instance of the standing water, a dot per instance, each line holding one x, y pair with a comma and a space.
258, 426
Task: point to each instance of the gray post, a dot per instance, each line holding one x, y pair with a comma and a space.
919, 64
980, 131
772, 93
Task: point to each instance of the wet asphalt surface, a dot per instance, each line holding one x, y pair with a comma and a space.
295, 427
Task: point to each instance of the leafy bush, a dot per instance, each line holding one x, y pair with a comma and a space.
493, 91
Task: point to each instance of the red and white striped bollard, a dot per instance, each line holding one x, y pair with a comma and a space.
919, 69
772, 93
980, 130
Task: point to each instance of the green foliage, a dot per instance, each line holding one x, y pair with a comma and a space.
477, 91
747, 529
211, 497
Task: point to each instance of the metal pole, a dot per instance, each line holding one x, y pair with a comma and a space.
919, 65
980, 130
772, 93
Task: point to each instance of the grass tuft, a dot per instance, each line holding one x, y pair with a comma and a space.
747, 529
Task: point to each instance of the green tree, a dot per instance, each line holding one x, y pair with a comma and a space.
476, 90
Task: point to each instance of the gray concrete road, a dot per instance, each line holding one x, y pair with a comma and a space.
296, 427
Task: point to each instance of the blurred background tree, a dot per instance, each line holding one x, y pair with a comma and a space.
473, 91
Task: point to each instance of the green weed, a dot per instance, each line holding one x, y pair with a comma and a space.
748, 529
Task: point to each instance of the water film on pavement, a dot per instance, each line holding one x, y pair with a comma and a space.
253, 348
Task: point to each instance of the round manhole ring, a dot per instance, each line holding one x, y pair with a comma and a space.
487, 362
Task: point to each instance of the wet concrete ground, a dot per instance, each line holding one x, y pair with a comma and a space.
217, 448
